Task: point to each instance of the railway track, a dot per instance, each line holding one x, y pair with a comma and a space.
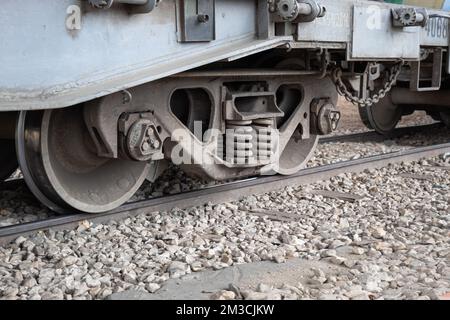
236, 190
373, 136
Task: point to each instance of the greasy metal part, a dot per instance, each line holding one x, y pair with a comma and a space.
63, 171
8, 159
196, 20
409, 17
228, 192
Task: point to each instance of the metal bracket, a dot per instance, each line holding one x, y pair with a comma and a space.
247, 106
196, 20
436, 74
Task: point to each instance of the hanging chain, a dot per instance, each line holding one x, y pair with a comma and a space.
394, 72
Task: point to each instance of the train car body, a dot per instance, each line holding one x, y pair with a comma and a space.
98, 95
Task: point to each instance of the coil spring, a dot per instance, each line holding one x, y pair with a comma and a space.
249, 143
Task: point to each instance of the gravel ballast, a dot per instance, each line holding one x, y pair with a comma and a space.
392, 243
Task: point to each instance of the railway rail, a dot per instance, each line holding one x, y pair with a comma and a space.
372, 136
236, 190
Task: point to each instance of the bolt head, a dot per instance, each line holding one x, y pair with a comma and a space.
203, 18
145, 146
156, 144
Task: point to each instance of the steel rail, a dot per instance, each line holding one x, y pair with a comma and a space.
233, 191
374, 136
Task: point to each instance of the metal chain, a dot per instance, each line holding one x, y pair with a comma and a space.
394, 72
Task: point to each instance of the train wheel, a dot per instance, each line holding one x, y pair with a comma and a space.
382, 117
8, 159
62, 169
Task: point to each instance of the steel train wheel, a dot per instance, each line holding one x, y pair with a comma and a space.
8, 159
382, 117
60, 166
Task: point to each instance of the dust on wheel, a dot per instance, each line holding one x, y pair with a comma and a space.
61, 167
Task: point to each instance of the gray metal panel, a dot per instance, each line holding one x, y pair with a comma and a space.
374, 37
43, 65
335, 26
435, 33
